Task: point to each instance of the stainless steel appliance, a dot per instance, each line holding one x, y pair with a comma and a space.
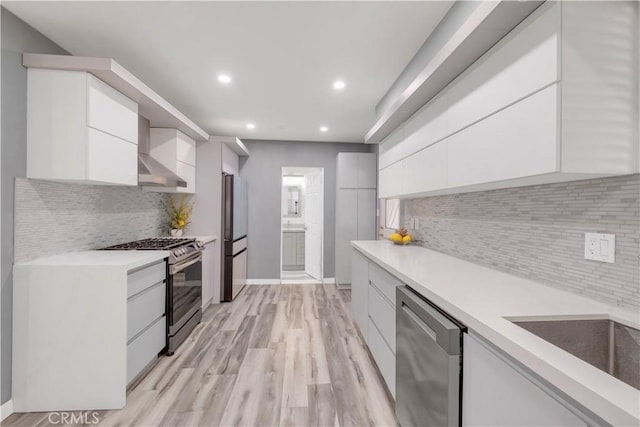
184, 284
234, 225
428, 363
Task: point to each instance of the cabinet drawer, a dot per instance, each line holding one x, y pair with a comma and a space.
185, 149
145, 348
383, 356
425, 170
383, 315
111, 160
140, 280
144, 308
110, 111
385, 282
188, 173
519, 141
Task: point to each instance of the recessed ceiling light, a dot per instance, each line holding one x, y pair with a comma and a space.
324, 129
224, 78
251, 126
339, 84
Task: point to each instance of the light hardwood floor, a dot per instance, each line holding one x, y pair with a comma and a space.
279, 355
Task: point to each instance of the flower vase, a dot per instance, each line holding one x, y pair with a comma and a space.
176, 232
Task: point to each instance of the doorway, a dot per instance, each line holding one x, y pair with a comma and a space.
302, 225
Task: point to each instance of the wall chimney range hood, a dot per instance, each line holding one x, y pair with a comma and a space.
150, 171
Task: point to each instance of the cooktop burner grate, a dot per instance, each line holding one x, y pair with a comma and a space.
159, 243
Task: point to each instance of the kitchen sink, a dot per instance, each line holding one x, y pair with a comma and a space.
603, 343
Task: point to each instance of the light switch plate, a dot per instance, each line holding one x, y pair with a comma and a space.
600, 247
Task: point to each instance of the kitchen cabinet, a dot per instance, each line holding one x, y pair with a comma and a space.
177, 152
536, 108
355, 207
373, 296
293, 250
495, 392
74, 313
80, 129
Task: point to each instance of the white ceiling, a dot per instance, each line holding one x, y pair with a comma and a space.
282, 56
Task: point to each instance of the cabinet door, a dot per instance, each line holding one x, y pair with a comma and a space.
185, 149
360, 290
300, 249
367, 170
390, 181
188, 173
366, 215
110, 111
425, 170
347, 170
110, 159
516, 142
288, 249
494, 393
346, 230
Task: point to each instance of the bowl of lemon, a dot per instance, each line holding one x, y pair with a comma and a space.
401, 237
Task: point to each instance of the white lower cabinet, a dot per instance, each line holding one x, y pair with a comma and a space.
144, 348
495, 393
384, 357
360, 290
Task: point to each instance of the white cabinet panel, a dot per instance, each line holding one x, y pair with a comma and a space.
346, 230
425, 170
347, 170
390, 181
427, 126
516, 142
525, 61
188, 173
383, 315
110, 111
144, 308
383, 356
80, 129
391, 149
367, 170
496, 394
360, 291
111, 160
145, 348
185, 149
366, 214
140, 280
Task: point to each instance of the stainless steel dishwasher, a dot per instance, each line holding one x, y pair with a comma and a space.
428, 363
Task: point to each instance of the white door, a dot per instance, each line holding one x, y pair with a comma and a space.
314, 223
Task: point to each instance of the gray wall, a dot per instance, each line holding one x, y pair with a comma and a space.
263, 170
537, 232
17, 37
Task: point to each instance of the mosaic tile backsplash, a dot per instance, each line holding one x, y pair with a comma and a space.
537, 232
53, 217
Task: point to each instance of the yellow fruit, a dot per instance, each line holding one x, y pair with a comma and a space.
407, 238
395, 237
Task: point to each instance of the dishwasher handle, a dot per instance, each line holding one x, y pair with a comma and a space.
443, 329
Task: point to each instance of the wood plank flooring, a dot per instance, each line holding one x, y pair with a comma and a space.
285, 355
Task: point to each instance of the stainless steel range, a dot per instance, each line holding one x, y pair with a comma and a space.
184, 283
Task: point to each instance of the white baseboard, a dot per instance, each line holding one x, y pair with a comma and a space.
6, 409
329, 280
251, 282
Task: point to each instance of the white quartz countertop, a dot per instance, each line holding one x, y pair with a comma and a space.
127, 260
204, 239
483, 299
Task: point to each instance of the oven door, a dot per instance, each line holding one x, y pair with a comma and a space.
184, 292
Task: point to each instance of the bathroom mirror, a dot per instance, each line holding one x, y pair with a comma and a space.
294, 201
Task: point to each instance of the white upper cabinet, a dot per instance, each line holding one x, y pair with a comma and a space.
555, 100
177, 152
80, 129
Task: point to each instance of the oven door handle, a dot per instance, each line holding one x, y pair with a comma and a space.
179, 267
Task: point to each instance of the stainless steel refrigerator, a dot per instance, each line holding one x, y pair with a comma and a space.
234, 226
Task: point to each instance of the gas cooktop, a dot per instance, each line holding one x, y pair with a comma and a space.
157, 243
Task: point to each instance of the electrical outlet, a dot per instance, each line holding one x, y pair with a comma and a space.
600, 247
